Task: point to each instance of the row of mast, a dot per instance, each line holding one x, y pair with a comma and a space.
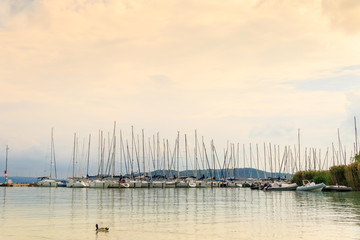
166, 161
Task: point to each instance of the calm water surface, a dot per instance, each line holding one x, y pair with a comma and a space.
63, 213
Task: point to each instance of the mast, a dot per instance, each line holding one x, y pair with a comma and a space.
279, 159
340, 151
275, 155
164, 153
102, 156
51, 153
157, 154
299, 148
143, 150
270, 157
196, 159
152, 150
88, 157
238, 160
121, 153
6, 164
356, 138
250, 162
265, 160
74, 151
186, 157
168, 158
244, 161
53, 150
113, 153
132, 152
177, 154
257, 158
213, 158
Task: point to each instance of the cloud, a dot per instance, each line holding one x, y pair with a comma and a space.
343, 14
216, 66
338, 83
160, 80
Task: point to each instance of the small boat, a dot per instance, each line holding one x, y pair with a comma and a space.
277, 186
46, 182
310, 186
336, 188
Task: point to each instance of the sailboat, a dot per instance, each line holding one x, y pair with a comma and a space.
100, 182
75, 182
7, 183
48, 181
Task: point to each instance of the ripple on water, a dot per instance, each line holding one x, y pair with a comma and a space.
47, 213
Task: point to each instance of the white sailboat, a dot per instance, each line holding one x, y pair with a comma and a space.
75, 182
100, 183
48, 181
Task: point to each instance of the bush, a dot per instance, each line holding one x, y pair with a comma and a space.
322, 177
357, 158
317, 176
352, 175
337, 175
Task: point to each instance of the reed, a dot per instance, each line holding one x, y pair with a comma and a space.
316, 176
352, 175
346, 175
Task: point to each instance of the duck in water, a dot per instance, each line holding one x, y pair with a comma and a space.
103, 229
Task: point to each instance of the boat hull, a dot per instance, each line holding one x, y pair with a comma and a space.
158, 184
311, 188
336, 189
47, 183
99, 184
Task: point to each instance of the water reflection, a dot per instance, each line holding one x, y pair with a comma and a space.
214, 213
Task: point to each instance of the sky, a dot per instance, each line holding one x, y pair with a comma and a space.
234, 70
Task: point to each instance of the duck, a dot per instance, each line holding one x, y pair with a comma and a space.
103, 229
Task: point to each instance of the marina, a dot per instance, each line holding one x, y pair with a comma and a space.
179, 120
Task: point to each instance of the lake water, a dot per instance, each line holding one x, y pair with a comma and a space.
218, 213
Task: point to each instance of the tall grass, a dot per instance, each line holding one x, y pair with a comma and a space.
317, 176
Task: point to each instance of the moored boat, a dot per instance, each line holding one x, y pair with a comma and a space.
336, 188
277, 186
46, 182
76, 183
310, 186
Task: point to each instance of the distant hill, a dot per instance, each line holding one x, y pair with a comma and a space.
20, 179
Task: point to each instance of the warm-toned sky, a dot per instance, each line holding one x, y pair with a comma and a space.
244, 71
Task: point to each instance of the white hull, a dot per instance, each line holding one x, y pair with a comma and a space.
170, 184
312, 187
135, 184
158, 184
99, 184
192, 185
146, 184
76, 184
182, 184
114, 184
124, 185
47, 183
232, 184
